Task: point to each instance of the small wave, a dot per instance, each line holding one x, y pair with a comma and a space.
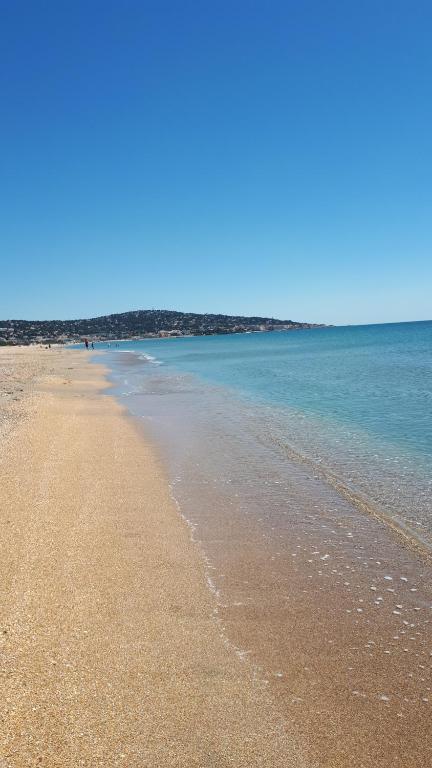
149, 358
143, 356
366, 505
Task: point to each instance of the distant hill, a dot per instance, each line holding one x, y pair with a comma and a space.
142, 323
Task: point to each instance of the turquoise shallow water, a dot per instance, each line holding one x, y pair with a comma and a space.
355, 401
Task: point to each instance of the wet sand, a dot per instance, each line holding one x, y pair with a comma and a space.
110, 653
343, 634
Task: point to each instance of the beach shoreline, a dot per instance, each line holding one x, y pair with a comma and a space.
329, 603
136, 633
110, 651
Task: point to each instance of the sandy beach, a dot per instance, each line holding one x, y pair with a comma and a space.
110, 654
115, 651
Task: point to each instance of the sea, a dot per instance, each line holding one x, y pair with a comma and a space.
353, 403
302, 463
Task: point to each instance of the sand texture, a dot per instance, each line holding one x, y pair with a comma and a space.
109, 651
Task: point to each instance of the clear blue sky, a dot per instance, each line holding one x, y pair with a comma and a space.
235, 156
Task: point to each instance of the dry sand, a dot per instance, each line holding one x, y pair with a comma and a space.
109, 651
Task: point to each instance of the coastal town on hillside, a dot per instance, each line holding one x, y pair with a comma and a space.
138, 324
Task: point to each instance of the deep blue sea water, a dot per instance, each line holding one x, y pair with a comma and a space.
355, 401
